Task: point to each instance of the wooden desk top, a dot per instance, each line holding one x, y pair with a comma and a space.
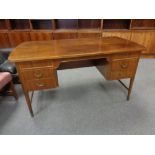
72, 48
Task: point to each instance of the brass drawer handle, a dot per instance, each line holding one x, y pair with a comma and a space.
38, 74
124, 66
40, 84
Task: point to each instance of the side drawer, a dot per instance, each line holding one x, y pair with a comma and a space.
38, 73
124, 64
41, 84
119, 68
126, 55
123, 68
32, 64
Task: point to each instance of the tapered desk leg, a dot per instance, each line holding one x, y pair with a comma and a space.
14, 91
28, 101
130, 87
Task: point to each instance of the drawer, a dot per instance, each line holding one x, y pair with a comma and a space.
31, 64
124, 68
125, 55
41, 84
38, 73
120, 75
124, 64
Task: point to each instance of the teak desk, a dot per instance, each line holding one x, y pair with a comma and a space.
37, 62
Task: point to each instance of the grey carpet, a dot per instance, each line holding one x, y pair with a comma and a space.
85, 104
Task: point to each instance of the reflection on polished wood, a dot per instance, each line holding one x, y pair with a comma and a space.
72, 48
37, 62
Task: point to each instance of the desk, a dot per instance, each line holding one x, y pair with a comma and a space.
37, 62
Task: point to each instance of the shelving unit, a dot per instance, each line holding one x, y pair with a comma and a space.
19, 24
66, 24
143, 24
119, 24
3, 24
38, 24
89, 23
15, 31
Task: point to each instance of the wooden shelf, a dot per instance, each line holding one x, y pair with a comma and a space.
116, 30
41, 35
143, 28
41, 24
66, 23
121, 24
20, 30
90, 30
4, 40
143, 24
42, 30
65, 30
19, 24
3, 25
89, 23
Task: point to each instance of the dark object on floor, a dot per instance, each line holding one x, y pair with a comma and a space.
6, 66
6, 79
6, 52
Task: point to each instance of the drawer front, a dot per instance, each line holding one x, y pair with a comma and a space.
32, 64
38, 73
120, 75
41, 84
124, 68
124, 64
126, 55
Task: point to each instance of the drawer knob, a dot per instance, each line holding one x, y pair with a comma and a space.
124, 65
38, 74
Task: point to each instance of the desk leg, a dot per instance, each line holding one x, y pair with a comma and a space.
28, 101
14, 91
130, 87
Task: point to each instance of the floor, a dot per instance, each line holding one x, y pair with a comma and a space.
85, 104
